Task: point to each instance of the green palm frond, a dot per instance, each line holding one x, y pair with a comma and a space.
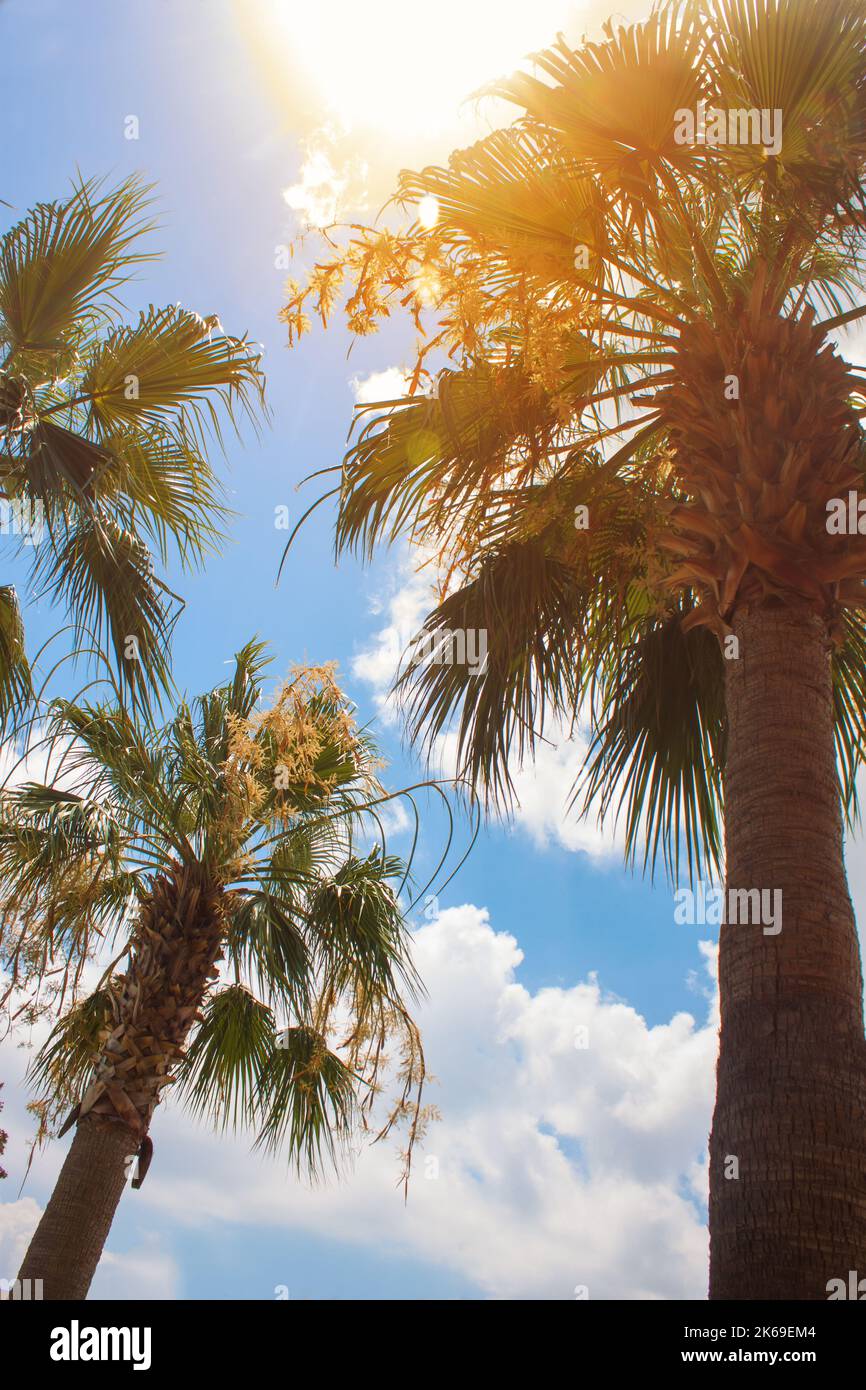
64, 871
174, 497
658, 745
530, 605
223, 1069
611, 107
807, 62
57, 467
266, 942
307, 1102
439, 447
356, 933
105, 425
16, 682
68, 824
64, 263
849, 700
530, 214
103, 572
170, 370
63, 1067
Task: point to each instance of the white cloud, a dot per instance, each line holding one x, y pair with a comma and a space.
409, 599
327, 187
544, 790
388, 385
145, 1271
44, 761
18, 1221
558, 1165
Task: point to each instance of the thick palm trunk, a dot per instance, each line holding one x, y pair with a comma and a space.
788, 1145
175, 948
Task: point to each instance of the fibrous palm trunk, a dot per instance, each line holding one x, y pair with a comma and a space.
788, 1144
174, 952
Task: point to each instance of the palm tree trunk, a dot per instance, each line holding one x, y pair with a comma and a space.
788, 1143
175, 948
68, 1241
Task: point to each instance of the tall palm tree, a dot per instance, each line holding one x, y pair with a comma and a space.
225, 852
627, 467
103, 428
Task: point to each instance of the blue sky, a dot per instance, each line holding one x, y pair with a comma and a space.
558, 1176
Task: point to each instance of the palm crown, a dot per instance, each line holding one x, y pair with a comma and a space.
229, 834
638, 333
103, 426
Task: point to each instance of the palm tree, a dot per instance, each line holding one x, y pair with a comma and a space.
626, 468
103, 426
229, 837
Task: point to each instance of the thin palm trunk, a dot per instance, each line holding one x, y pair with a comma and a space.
68, 1242
788, 1144
174, 953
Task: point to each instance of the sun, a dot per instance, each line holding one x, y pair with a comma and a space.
394, 66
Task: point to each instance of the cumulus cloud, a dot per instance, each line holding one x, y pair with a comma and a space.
544, 790
407, 599
569, 1150
388, 385
18, 1221
329, 185
59, 762
146, 1271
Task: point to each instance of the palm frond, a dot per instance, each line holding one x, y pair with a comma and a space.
63, 1066
306, 1101
658, 745
16, 682
172, 369
222, 1071
356, 933
266, 942
101, 570
61, 267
